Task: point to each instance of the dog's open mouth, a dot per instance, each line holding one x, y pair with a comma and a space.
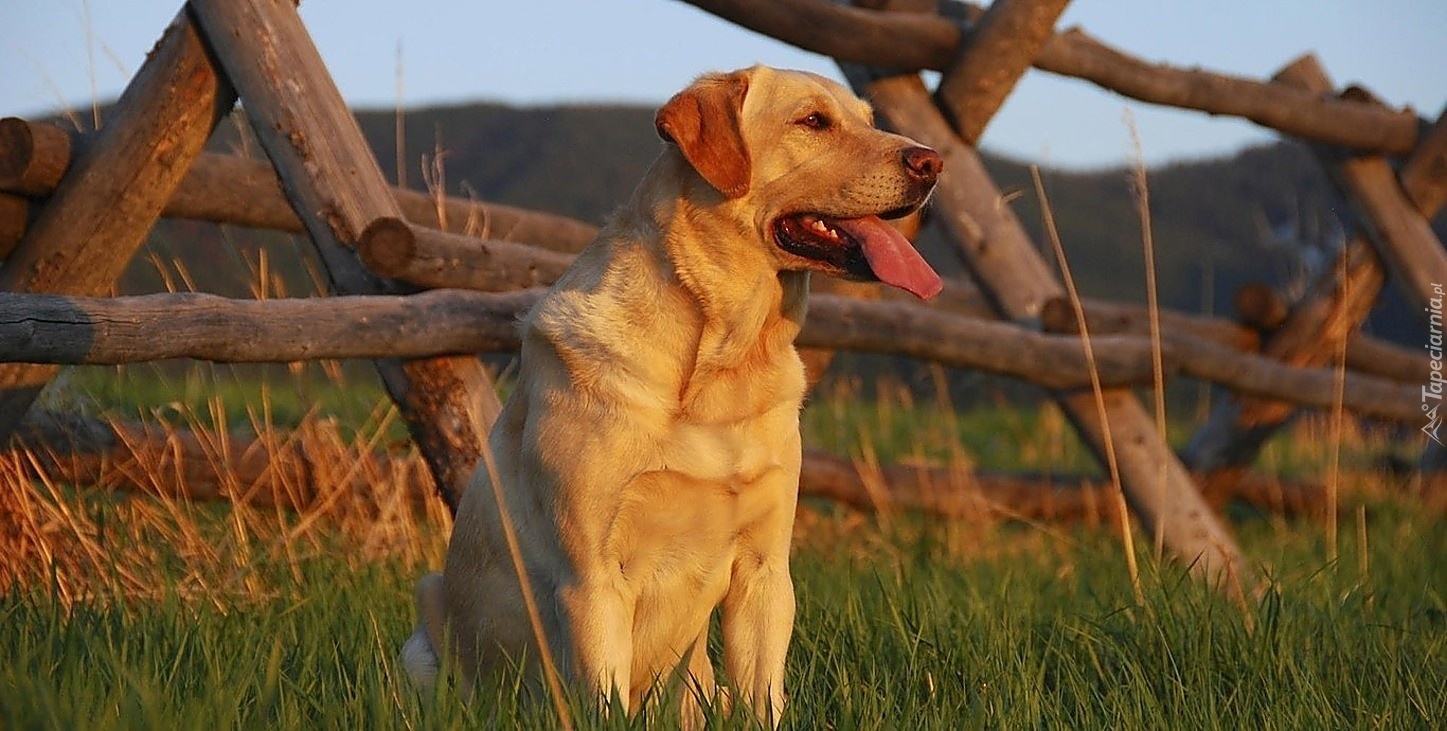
860, 248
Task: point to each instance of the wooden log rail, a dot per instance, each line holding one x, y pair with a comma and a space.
222, 188
103, 330
286, 470
417, 254
916, 41
1364, 354
110, 330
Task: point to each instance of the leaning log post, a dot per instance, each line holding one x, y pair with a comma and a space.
992, 58
1403, 236
1157, 485
333, 179
1424, 175
112, 195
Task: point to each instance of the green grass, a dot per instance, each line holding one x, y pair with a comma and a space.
1039, 633
916, 624
1008, 437
246, 397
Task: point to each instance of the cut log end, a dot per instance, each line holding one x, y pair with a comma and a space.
1058, 315
1259, 306
388, 245
33, 157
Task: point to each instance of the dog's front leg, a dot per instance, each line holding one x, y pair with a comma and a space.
758, 619
601, 635
699, 689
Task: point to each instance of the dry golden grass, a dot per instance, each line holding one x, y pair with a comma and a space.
291, 495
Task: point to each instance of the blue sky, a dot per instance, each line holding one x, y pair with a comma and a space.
66, 52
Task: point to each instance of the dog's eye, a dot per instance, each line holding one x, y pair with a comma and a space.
815, 120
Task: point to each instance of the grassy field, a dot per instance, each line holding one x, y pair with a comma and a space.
156, 612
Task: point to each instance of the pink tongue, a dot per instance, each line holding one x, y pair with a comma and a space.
891, 256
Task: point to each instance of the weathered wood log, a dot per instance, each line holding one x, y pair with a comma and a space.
1058, 315
1327, 120
1259, 306
1259, 376
1312, 333
912, 41
235, 190
1365, 354
1010, 269
297, 470
115, 330
992, 57
115, 190
231, 189
332, 178
428, 257
1380, 358
112, 330
14, 220
1403, 237
907, 328
33, 157
1249, 374
1424, 175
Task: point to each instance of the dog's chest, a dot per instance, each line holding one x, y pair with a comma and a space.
736, 426
726, 454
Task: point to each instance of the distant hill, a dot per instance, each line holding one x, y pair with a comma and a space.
1266, 214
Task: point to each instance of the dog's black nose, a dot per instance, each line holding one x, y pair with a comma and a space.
923, 163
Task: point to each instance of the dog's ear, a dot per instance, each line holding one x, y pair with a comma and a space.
704, 121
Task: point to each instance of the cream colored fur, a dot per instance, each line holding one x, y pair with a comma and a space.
649, 453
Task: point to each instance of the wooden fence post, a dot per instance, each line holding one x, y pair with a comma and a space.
992, 57
333, 180
1009, 268
112, 195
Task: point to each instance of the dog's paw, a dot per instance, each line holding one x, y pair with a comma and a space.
421, 661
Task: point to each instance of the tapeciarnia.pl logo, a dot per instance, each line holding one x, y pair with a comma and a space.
1436, 379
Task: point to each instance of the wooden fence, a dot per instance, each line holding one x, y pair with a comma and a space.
74, 208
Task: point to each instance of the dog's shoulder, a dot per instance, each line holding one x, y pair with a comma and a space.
614, 319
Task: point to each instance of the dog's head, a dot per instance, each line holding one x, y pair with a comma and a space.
802, 155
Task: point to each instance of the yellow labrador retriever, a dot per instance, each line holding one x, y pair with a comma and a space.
648, 458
